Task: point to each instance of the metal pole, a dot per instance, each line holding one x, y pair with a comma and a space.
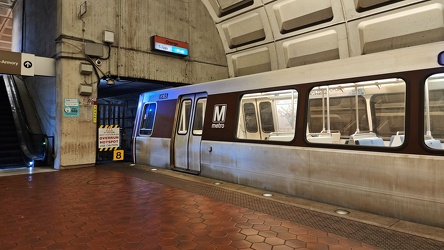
357, 107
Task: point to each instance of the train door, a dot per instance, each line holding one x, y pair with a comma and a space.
258, 118
252, 130
188, 135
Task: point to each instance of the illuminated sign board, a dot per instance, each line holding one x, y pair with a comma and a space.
170, 46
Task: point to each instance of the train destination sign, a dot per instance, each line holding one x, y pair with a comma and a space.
170, 45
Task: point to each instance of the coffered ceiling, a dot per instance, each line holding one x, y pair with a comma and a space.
6, 24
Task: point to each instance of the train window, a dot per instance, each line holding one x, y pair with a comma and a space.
148, 115
342, 111
434, 111
268, 116
388, 114
184, 117
199, 115
367, 113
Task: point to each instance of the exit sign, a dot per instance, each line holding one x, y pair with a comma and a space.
170, 45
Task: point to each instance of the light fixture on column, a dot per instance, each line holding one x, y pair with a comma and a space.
110, 81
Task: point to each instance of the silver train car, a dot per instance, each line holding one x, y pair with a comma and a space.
364, 133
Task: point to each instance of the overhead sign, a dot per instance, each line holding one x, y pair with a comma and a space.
170, 45
14, 63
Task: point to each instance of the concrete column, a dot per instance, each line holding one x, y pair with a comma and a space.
75, 131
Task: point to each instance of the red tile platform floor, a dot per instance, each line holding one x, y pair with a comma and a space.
92, 208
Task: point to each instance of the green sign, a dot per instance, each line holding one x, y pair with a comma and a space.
71, 107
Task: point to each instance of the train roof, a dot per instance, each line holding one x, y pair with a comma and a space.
399, 60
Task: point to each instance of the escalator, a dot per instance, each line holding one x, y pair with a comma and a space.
19, 145
10, 151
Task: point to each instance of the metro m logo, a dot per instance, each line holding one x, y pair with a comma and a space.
219, 113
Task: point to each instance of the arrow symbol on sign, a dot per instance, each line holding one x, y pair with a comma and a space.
27, 64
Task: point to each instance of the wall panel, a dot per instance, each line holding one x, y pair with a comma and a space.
245, 31
252, 61
398, 29
325, 45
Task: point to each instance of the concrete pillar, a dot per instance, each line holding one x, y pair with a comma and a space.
75, 131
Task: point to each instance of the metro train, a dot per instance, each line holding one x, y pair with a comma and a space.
363, 133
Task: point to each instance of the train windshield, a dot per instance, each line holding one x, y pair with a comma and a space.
370, 113
434, 111
148, 115
268, 115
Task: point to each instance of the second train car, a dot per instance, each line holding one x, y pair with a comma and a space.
364, 133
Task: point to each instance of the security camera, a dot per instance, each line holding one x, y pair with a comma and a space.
98, 62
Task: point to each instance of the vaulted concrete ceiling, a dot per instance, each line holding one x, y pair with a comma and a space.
266, 35
263, 35
6, 24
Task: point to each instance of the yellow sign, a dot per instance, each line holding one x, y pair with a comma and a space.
95, 113
118, 155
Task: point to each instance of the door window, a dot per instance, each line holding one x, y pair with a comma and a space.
184, 117
199, 116
250, 118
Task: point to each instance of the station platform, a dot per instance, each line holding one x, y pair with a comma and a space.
127, 206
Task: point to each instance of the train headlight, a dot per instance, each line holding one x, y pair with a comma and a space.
441, 58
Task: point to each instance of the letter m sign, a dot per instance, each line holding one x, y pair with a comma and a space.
219, 113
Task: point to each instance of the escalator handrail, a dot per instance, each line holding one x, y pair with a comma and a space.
33, 144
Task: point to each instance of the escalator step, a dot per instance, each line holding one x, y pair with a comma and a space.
13, 162
11, 152
6, 148
11, 157
8, 141
7, 128
8, 133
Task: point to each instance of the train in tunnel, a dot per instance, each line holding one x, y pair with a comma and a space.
363, 133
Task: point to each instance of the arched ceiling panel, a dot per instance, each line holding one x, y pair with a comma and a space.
264, 35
